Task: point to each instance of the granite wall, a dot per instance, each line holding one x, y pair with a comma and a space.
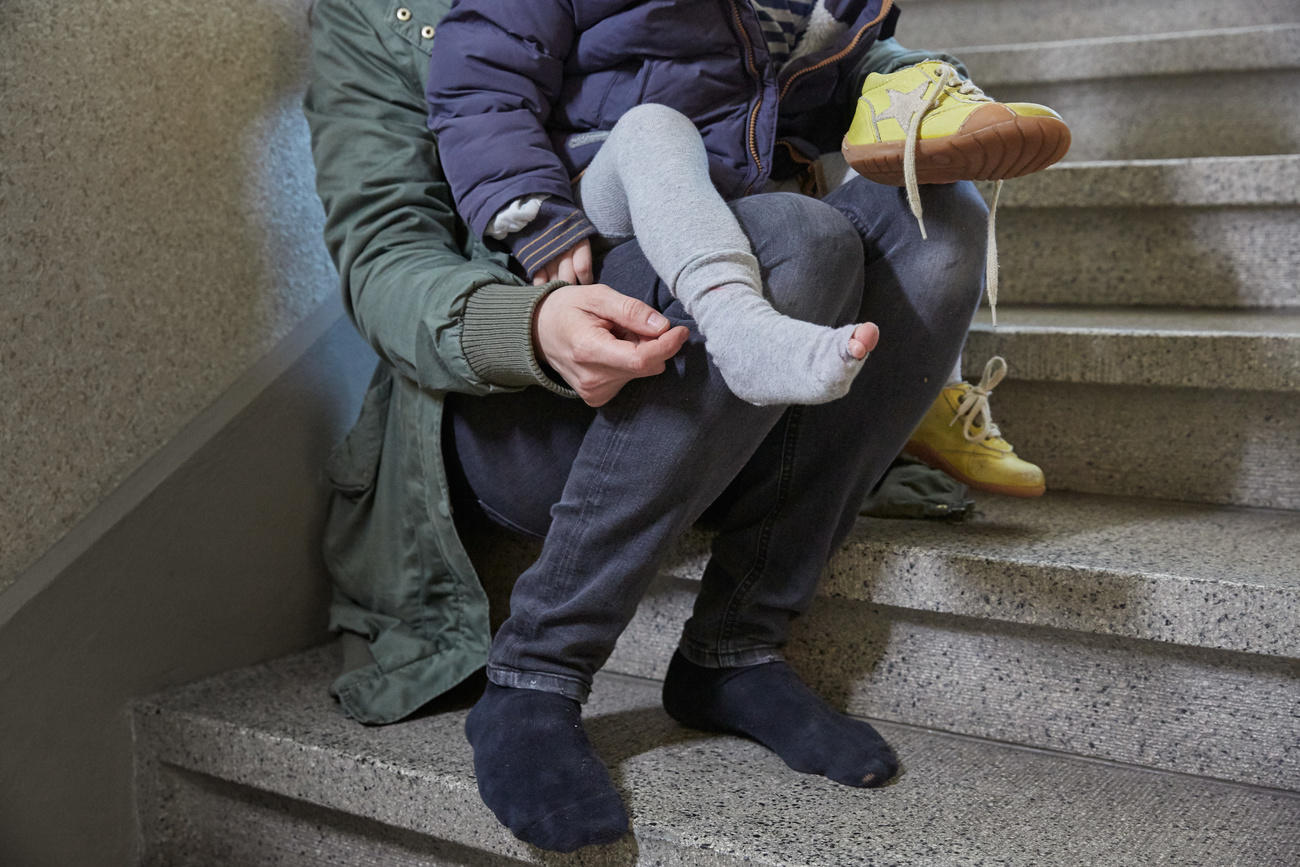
158, 234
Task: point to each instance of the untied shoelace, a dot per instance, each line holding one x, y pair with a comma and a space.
946, 76
974, 406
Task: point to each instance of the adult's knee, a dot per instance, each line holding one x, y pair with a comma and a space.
956, 222
810, 255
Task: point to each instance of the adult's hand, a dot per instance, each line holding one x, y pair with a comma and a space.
599, 339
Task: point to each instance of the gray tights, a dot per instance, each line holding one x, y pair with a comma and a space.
650, 180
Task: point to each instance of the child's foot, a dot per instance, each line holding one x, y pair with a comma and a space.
770, 704
768, 358
954, 131
538, 773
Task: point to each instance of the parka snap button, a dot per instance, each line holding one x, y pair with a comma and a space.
427, 31
403, 14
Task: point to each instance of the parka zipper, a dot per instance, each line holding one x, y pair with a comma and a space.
750, 138
835, 58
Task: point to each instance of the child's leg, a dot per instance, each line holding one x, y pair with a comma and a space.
651, 179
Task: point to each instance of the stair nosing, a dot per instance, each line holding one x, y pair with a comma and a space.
1264, 48
1235, 350
924, 565
1132, 38
1258, 181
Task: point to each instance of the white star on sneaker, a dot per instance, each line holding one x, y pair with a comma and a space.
903, 105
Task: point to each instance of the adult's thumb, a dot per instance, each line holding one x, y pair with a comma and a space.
629, 313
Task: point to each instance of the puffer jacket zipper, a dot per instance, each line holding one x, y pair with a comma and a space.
750, 132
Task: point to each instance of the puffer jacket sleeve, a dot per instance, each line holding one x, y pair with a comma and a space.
434, 305
496, 71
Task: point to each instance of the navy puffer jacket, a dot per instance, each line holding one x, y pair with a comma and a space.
519, 90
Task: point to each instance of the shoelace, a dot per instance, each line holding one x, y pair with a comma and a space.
974, 407
946, 76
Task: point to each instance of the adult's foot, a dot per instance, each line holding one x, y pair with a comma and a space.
538, 773
771, 705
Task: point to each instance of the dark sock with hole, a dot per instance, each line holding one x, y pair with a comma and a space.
538, 773
770, 704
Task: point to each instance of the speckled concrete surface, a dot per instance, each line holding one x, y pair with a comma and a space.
1157, 117
1198, 257
1226, 715
1206, 349
1102, 569
1198, 575
1207, 232
1217, 577
937, 23
1245, 181
713, 800
160, 234
1195, 444
1214, 52
207, 822
1135, 97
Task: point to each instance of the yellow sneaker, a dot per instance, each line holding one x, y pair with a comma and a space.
925, 124
973, 452
928, 120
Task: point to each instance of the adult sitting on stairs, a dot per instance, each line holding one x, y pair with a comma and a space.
591, 416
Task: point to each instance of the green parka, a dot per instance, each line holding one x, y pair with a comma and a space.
444, 314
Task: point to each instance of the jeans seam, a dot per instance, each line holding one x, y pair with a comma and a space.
746, 583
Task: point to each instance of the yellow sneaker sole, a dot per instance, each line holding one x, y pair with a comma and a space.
929, 456
998, 145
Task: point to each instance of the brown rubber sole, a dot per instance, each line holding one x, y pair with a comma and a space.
931, 458
1008, 148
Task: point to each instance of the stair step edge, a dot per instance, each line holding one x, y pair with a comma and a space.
694, 796
1262, 181
1258, 48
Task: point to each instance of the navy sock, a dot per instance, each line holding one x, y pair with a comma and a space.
538, 773
771, 705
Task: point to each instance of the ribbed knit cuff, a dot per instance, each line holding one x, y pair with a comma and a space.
497, 336
557, 227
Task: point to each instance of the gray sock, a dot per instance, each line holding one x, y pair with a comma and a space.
764, 356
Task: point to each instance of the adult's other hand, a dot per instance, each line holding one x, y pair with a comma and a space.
599, 339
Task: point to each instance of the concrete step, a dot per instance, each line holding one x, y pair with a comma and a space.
1172, 95
1157, 633
1175, 404
1208, 349
259, 767
1154, 633
1207, 232
943, 23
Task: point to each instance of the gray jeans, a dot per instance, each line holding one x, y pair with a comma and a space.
611, 489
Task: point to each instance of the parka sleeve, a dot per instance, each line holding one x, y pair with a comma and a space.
441, 318
496, 71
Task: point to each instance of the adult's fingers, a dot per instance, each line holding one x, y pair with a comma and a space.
635, 358
625, 312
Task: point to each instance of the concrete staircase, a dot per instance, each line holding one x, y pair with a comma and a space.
1109, 675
